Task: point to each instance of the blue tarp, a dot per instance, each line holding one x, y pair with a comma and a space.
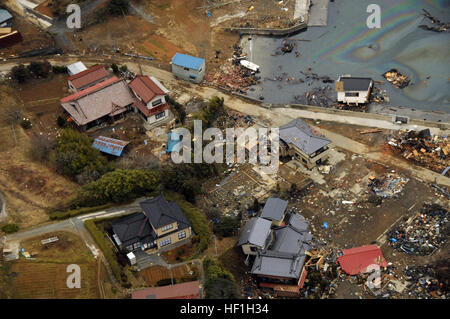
109, 145
173, 144
187, 61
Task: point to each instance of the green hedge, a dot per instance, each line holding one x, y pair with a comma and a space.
105, 245
10, 228
76, 212
197, 219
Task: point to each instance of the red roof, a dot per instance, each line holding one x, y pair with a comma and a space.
356, 260
186, 290
149, 112
90, 90
86, 77
145, 88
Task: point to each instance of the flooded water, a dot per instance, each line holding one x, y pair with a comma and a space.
347, 46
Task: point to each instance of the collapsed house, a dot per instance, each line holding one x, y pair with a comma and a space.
151, 99
362, 259
279, 252
298, 140
353, 90
99, 103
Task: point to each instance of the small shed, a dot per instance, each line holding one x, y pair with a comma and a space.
109, 145
76, 68
188, 67
132, 258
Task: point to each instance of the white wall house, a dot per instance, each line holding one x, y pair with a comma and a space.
188, 68
151, 99
352, 90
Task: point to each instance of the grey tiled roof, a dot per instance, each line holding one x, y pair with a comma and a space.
274, 209
271, 263
255, 232
302, 136
298, 222
161, 213
134, 228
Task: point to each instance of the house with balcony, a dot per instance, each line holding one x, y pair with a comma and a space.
151, 99
299, 141
160, 225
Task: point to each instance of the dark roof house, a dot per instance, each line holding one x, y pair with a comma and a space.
274, 209
356, 84
300, 134
160, 212
255, 232
5, 18
131, 229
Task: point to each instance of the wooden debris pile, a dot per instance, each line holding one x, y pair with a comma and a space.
438, 25
396, 78
422, 148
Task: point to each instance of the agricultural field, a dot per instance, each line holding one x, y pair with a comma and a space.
154, 274
45, 274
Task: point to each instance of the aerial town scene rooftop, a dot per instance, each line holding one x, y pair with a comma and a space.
224, 149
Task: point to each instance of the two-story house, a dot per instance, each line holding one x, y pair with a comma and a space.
159, 225
299, 140
151, 99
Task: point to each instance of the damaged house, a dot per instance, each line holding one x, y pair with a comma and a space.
99, 103
279, 253
299, 141
151, 99
160, 225
352, 90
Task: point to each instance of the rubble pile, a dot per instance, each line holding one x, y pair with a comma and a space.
396, 78
439, 26
422, 148
430, 281
378, 95
388, 185
321, 96
233, 77
422, 234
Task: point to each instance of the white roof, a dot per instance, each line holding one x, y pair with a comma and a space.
131, 256
75, 68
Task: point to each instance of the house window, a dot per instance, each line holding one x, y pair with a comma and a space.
160, 115
167, 227
186, 69
165, 242
129, 248
253, 248
192, 76
157, 102
352, 94
181, 235
136, 245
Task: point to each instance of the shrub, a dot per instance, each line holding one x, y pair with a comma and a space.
61, 122
226, 227
59, 69
117, 187
39, 69
165, 282
20, 73
219, 281
10, 228
115, 68
75, 155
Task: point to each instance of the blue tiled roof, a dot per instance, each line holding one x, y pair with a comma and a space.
109, 145
187, 61
4, 15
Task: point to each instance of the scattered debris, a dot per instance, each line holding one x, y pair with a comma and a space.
439, 26
429, 281
424, 233
388, 185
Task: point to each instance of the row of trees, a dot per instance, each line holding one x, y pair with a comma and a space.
22, 73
